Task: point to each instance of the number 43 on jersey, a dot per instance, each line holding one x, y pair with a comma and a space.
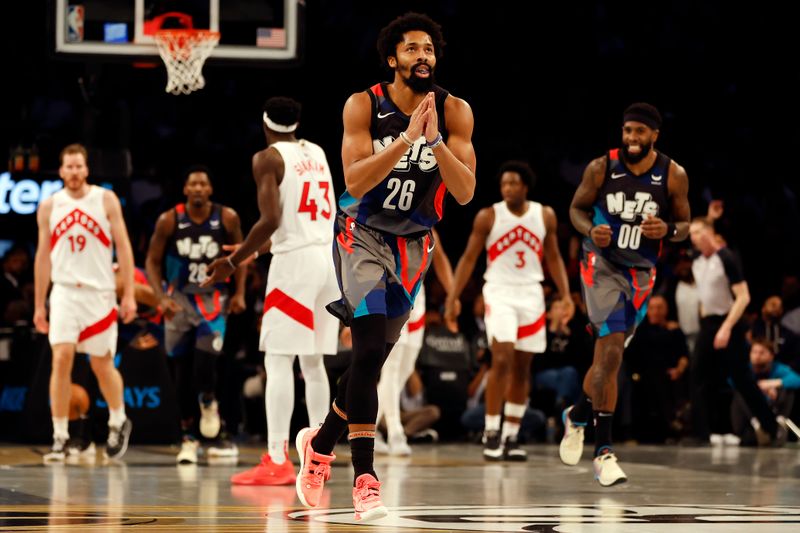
308, 201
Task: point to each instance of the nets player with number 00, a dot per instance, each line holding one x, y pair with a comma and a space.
629, 200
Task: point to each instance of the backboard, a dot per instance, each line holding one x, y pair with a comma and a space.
251, 30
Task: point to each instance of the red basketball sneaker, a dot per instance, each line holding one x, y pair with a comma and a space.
266, 473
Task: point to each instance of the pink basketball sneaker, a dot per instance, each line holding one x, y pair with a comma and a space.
312, 477
367, 498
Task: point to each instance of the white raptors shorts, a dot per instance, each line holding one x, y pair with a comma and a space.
84, 317
516, 313
414, 330
299, 286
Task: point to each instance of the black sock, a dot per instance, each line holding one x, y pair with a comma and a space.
581, 411
602, 431
363, 451
204, 373
206, 398
329, 434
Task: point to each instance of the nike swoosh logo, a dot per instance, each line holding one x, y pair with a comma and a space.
615, 176
657, 178
183, 225
214, 223
384, 115
431, 247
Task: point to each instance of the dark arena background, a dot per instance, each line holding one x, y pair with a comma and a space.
547, 84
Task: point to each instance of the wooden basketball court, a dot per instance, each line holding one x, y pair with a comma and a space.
445, 487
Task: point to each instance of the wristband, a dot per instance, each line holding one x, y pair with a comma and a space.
434, 143
672, 230
230, 262
405, 139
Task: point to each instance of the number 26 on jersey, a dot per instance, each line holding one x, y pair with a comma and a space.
401, 194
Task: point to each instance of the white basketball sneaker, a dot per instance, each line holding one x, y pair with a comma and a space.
210, 423
571, 447
607, 471
380, 444
188, 453
399, 446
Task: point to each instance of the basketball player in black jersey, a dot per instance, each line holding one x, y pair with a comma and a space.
406, 145
628, 201
186, 239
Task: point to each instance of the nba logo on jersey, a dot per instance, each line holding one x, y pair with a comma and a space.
75, 23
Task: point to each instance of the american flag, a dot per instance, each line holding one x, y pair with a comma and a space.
271, 37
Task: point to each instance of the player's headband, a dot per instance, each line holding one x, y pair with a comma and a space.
280, 128
644, 113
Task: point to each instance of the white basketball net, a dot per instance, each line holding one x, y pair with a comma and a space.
184, 52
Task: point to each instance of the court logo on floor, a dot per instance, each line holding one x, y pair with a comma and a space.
577, 518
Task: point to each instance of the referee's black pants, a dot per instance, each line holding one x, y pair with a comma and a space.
710, 371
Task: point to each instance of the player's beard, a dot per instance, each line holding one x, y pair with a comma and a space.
635, 158
74, 183
420, 85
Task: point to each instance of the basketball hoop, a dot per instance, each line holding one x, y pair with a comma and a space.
184, 52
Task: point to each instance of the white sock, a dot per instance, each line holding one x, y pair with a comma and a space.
389, 392
510, 429
492, 423
512, 410
61, 428
407, 365
318, 389
279, 400
277, 450
116, 417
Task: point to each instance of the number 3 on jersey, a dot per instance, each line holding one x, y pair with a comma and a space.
309, 205
520, 259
